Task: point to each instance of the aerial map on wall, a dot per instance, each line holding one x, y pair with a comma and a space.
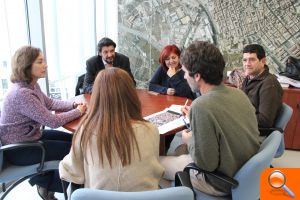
145, 27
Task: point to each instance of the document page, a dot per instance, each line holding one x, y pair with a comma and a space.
175, 108
166, 121
286, 80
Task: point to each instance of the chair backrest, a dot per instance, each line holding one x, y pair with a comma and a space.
79, 85
284, 116
174, 193
282, 120
249, 175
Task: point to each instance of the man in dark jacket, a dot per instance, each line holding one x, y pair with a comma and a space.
262, 88
107, 57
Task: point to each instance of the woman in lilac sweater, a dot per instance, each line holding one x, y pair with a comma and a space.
25, 109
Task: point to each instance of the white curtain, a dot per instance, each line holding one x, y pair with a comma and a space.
13, 35
107, 19
72, 30
70, 41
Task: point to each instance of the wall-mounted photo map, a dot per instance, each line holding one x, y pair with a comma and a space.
145, 27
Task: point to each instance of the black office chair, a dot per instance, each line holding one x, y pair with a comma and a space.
18, 174
79, 85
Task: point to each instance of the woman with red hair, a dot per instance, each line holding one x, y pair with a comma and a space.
169, 78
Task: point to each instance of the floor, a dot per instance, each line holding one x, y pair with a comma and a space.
289, 159
25, 192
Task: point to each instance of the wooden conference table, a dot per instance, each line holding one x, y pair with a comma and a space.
150, 104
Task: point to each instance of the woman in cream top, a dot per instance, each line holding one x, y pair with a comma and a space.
114, 148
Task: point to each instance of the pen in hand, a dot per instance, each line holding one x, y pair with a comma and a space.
185, 104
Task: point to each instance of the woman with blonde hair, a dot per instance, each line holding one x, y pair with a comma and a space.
114, 148
26, 109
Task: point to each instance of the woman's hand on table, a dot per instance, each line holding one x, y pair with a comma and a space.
171, 91
81, 107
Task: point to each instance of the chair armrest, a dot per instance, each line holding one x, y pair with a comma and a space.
22, 145
182, 178
75, 186
234, 183
28, 144
268, 131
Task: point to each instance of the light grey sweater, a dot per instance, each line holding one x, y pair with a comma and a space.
225, 132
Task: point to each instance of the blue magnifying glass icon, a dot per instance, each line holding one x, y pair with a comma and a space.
277, 180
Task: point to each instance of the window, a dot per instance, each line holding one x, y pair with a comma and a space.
13, 35
4, 84
70, 34
107, 19
69, 42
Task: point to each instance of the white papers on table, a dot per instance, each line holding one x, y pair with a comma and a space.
284, 85
286, 80
175, 108
167, 125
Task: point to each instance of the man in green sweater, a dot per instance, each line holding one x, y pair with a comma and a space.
224, 127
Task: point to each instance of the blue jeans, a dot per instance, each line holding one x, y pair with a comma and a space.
57, 145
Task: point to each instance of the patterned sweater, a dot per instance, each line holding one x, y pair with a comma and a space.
26, 108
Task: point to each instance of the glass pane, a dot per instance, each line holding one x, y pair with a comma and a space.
107, 19
13, 35
70, 41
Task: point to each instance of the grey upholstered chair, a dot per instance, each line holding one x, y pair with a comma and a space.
245, 183
174, 193
281, 122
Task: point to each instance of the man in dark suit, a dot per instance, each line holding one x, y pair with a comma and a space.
107, 57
